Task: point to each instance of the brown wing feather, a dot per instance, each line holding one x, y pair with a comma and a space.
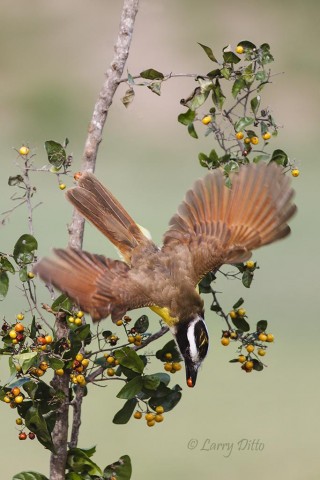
101, 208
99, 285
222, 225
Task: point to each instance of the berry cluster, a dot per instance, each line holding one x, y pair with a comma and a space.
151, 417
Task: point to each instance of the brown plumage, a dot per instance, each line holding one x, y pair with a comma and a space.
214, 225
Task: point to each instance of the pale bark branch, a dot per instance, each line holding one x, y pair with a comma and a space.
76, 229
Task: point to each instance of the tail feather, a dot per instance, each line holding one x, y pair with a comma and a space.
101, 208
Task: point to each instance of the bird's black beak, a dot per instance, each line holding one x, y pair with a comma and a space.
191, 373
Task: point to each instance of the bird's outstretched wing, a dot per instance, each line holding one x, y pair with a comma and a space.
99, 285
220, 225
101, 208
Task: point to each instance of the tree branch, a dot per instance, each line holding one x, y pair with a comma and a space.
103, 103
76, 229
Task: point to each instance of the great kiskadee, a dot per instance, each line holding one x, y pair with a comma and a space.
215, 225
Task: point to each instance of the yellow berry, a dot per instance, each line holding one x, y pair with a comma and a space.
250, 264
48, 339
6, 399
44, 366
233, 335
14, 341
79, 357
206, 120
119, 323
239, 49
78, 321
239, 135
233, 314
225, 341
250, 348
71, 319
149, 416
248, 365
138, 338
59, 372
241, 358
261, 352
80, 314
266, 136
62, 186
262, 337
270, 337
159, 409
24, 150
159, 418
241, 312
295, 172
85, 362
176, 366
110, 372
30, 275
19, 399
168, 367
254, 140
137, 415
12, 334
168, 356
131, 339
20, 316
110, 359
80, 379
19, 421
247, 140
151, 423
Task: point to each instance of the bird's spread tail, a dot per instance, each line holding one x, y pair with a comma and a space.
101, 208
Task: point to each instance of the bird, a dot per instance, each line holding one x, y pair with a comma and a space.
214, 225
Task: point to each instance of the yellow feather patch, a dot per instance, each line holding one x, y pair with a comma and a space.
165, 315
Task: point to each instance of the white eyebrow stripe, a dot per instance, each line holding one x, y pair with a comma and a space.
194, 354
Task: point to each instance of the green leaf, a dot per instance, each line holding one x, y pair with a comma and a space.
155, 87
82, 333
238, 303
191, 130
33, 329
279, 157
204, 160
6, 265
231, 166
247, 45
4, 285
23, 274
79, 461
196, 99
260, 158
262, 326
214, 159
230, 57
217, 95
209, 52
122, 469
26, 360
131, 389
261, 76
247, 278
29, 476
124, 415
62, 303
242, 123
187, 117
142, 324
130, 359
74, 476
238, 85
56, 153
13, 181
258, 366
128, 97
36, 423
151, 382
24, 249
55, 363
255, 103
226, 72
214, 73
170, 347
152, 74
168, 398
241, 324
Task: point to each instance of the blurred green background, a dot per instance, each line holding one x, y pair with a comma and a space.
53, 56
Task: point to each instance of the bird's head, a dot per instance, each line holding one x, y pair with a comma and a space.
193, 342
